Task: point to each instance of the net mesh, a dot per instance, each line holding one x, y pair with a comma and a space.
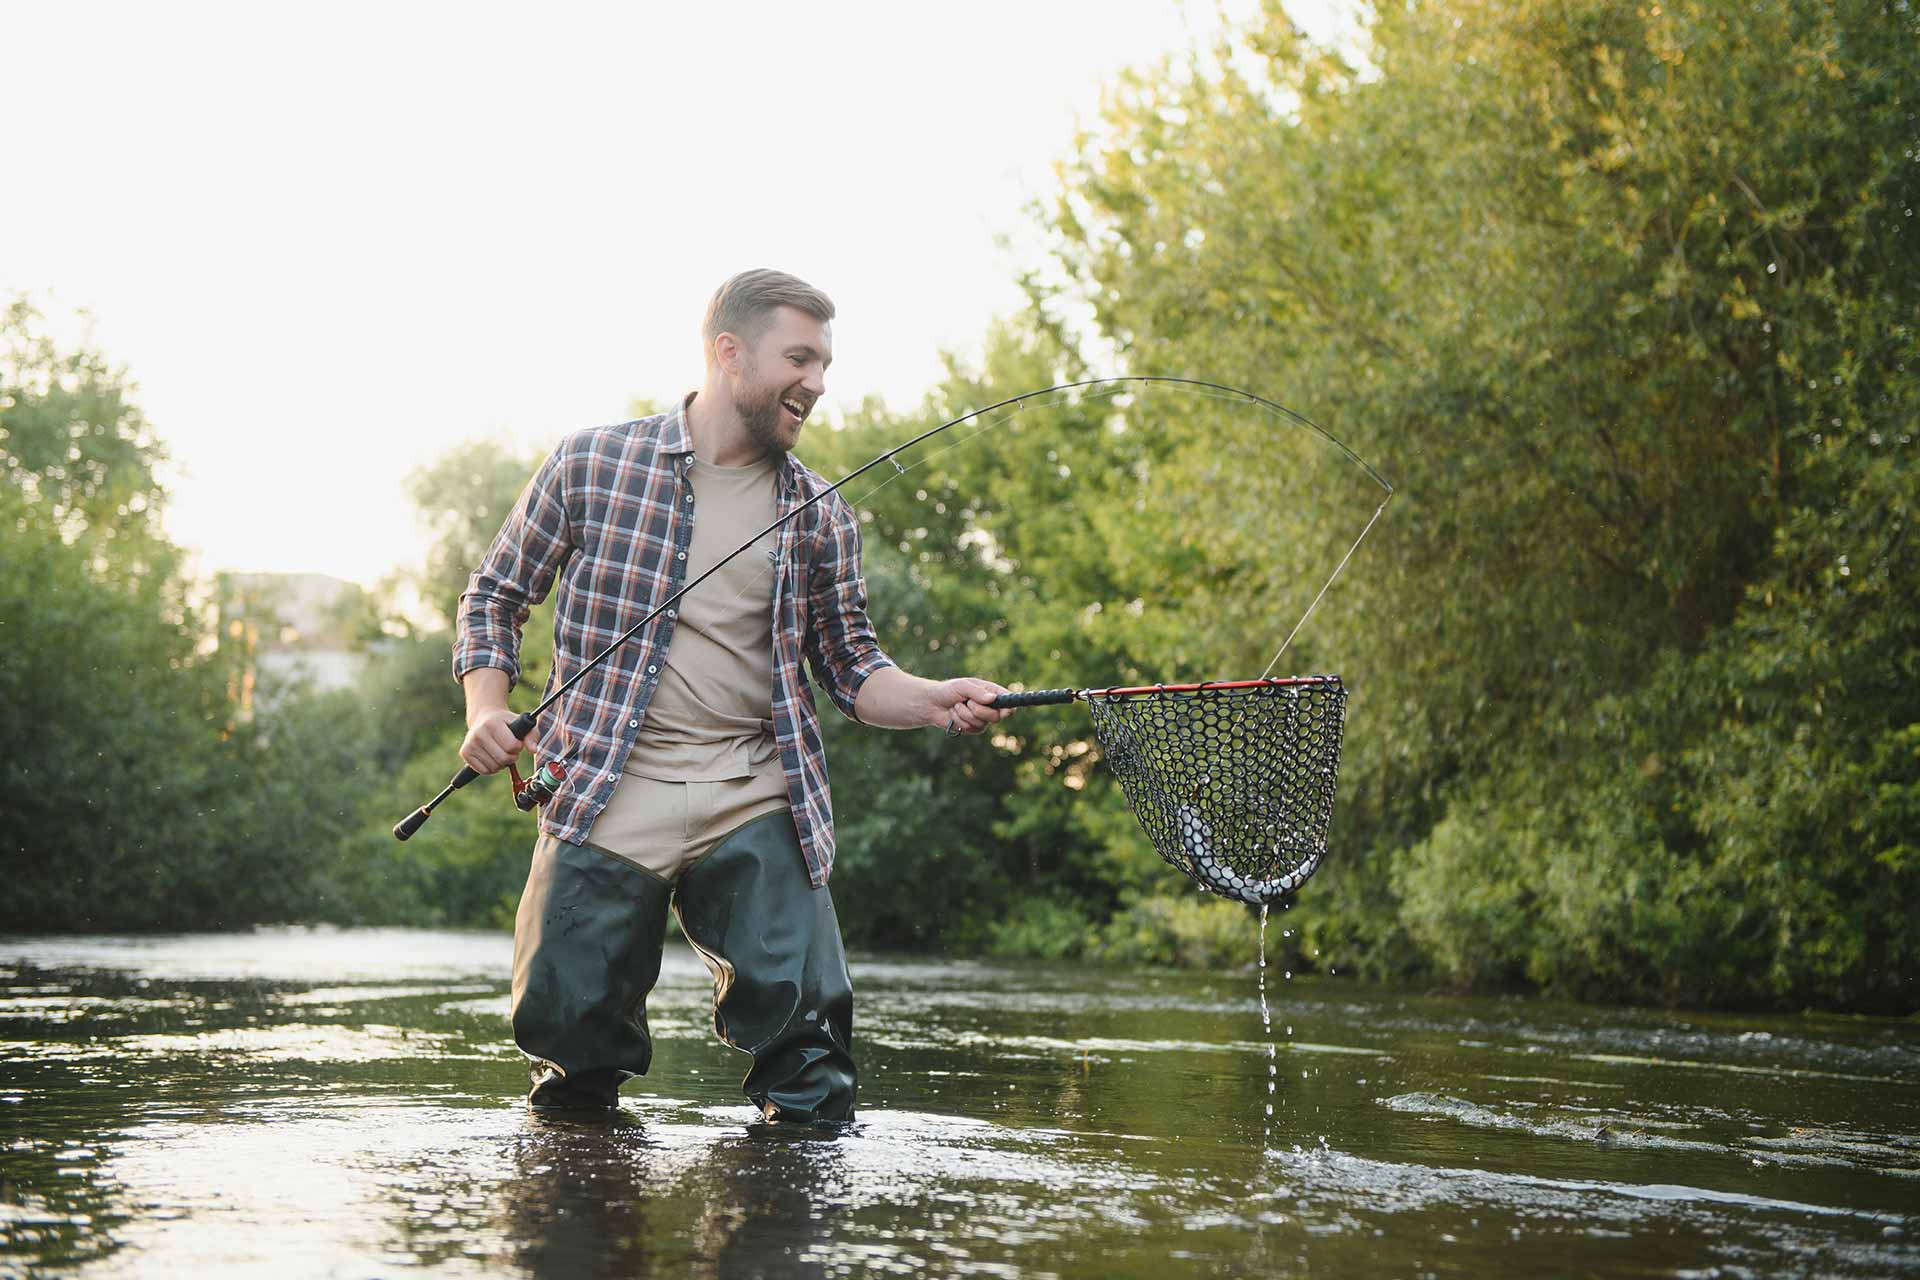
1233, 786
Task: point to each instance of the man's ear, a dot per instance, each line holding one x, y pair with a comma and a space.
728, 349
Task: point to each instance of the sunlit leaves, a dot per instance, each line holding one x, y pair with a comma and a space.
1618, 296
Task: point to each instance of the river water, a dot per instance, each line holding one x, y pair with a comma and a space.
346, 1103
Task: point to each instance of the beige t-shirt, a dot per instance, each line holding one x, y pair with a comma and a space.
711, 717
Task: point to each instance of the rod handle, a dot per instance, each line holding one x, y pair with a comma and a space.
522, 726
1036, 698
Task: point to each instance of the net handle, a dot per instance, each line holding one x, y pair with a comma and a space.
1051, 697
1036, 698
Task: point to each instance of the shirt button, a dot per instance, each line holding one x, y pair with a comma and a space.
650, 671
689, 497
680, 555
633, 724
672, 614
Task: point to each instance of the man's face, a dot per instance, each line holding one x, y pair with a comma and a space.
780, 376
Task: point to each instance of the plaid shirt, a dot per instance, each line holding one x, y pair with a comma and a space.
610, 513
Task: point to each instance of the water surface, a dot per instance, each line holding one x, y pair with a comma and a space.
320, 1103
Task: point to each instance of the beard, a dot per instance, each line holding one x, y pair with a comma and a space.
760, 413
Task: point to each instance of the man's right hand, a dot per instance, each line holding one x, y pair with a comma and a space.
490, 745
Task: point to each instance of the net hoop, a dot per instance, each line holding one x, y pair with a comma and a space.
1205, 687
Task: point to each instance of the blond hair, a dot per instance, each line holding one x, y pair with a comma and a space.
744, 305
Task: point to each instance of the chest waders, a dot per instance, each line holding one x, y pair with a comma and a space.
587, 943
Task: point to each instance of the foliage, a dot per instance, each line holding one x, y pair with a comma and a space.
130, 797
1190, 930
1623, 300
466, 867
75, 450
1043, 928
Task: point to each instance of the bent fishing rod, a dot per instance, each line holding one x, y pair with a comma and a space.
523, 725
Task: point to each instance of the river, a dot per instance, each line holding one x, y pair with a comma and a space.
297, 1102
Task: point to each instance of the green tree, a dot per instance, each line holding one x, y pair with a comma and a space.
75, 447
130, 796
1623, 300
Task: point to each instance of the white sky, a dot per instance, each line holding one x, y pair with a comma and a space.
329, 242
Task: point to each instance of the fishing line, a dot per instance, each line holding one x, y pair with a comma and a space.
1323, 589
1123, 389
970, 437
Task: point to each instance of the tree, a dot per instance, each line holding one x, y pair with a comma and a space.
75, 447
1623, 301
130, 796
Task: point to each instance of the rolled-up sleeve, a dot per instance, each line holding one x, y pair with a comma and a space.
841, 647
516, 574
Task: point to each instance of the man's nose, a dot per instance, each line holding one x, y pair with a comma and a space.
816, 381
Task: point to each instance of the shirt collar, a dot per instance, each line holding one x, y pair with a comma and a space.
674, 436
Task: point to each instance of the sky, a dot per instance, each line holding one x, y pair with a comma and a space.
330, 242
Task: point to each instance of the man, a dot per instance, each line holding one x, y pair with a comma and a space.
694, 766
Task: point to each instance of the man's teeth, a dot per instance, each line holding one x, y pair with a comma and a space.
793, 408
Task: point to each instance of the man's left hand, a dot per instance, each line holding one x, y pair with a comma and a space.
893, 699
966, 705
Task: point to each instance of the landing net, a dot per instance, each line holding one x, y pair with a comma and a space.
1233, 783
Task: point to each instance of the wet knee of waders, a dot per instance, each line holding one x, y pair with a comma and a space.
751, 904
587, 946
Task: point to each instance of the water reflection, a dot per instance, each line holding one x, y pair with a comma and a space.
579, 1201
600, 1199
770, 1204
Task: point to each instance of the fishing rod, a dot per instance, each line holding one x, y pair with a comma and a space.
547, 778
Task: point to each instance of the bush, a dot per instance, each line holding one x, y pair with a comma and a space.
1192, 931
1041, 928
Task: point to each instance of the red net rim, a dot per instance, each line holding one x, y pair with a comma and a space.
1211, 687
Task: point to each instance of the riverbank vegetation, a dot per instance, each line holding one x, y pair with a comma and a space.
1624, 302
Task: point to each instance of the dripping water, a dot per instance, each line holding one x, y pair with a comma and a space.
1266, 1022
1273, 1070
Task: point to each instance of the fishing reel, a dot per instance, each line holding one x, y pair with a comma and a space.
537, 787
